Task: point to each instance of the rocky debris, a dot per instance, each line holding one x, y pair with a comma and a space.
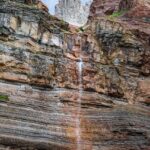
39, 81
73, 11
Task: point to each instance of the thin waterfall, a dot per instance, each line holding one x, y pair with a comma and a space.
78, 120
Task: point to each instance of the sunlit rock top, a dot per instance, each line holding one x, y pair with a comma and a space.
73, 11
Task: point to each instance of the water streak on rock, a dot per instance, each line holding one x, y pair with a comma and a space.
78, 119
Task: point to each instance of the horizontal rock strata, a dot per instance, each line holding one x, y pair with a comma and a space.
40, 85
45, 119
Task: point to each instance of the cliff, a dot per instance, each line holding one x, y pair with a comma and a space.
73, 11
83, 90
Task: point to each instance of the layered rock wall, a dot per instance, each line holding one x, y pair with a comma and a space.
39, 82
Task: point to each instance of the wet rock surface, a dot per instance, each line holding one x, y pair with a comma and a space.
39, 81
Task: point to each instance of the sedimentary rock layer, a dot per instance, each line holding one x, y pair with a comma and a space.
45, 119
39, 82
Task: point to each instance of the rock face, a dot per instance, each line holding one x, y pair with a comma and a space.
48, 100
73, 11
103, 7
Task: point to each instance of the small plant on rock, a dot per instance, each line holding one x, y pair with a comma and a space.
4, 97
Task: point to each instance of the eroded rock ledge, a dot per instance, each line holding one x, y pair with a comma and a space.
39, 84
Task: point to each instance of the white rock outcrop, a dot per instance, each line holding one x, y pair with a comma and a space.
73, 11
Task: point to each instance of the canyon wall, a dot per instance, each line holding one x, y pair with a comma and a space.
40, 84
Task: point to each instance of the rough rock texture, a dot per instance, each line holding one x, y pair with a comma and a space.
40, 85
73, 11
103, 7
124, 41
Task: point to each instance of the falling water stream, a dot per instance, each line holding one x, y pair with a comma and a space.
78, 119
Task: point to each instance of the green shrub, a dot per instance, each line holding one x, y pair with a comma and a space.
4, 97
118, 14
81, 29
